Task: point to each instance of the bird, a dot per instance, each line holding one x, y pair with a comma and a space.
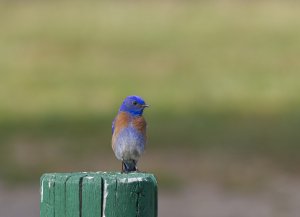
129, 132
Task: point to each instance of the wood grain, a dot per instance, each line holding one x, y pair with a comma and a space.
98, 194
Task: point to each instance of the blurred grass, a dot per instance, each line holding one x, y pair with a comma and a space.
220, 75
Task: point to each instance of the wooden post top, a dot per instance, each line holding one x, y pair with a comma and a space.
101, 194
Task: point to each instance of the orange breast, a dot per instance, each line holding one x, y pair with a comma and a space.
140, 124
122, 120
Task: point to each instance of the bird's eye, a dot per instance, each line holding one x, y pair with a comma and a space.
134, 103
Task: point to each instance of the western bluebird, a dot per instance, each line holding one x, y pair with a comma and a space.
129, 132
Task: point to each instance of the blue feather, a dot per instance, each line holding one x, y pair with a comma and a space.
113, 126
129, 140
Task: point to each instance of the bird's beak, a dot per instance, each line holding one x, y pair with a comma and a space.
145, 106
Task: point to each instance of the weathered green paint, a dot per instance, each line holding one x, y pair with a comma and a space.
47, 195
98, 194
73, 197
60, 194
92, 196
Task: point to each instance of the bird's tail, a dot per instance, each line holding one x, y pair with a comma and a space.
129, 166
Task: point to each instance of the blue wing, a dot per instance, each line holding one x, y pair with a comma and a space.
113, 126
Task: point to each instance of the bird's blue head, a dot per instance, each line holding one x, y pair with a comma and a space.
134, 105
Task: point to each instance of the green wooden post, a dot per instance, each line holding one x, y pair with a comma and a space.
98, 194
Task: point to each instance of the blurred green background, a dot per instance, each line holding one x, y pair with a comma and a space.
222, 79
